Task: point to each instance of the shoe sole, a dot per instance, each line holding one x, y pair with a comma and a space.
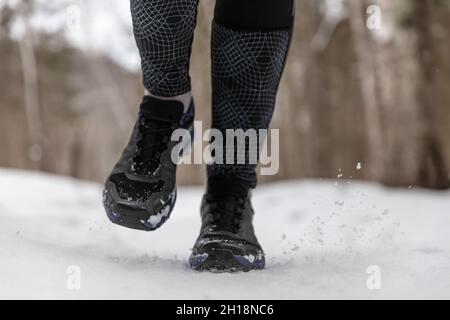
131, 217
224, 261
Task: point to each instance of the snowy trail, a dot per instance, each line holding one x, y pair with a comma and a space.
319, 238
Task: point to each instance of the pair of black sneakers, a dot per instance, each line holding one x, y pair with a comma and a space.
140, 193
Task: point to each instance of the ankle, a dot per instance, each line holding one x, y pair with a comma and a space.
227, 185
184, 98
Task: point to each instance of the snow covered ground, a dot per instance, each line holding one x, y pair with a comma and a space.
319, 236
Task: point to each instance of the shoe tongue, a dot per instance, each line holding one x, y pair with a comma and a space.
164, 110
227, 186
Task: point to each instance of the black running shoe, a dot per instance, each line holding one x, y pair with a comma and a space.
140, 193
227, 241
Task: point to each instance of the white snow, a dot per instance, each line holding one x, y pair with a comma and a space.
165, 211
320, 237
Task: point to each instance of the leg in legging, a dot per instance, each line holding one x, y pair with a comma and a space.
164, 32
140, 192
250, 42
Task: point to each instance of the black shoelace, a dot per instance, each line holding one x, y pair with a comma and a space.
153, 138
226, 211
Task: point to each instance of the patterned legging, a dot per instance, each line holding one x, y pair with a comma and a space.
250, 41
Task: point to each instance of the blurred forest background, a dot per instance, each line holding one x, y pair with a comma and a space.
351, 94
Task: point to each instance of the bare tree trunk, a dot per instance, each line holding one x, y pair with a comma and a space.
433, 168
368, 81
112, 96
31, 91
